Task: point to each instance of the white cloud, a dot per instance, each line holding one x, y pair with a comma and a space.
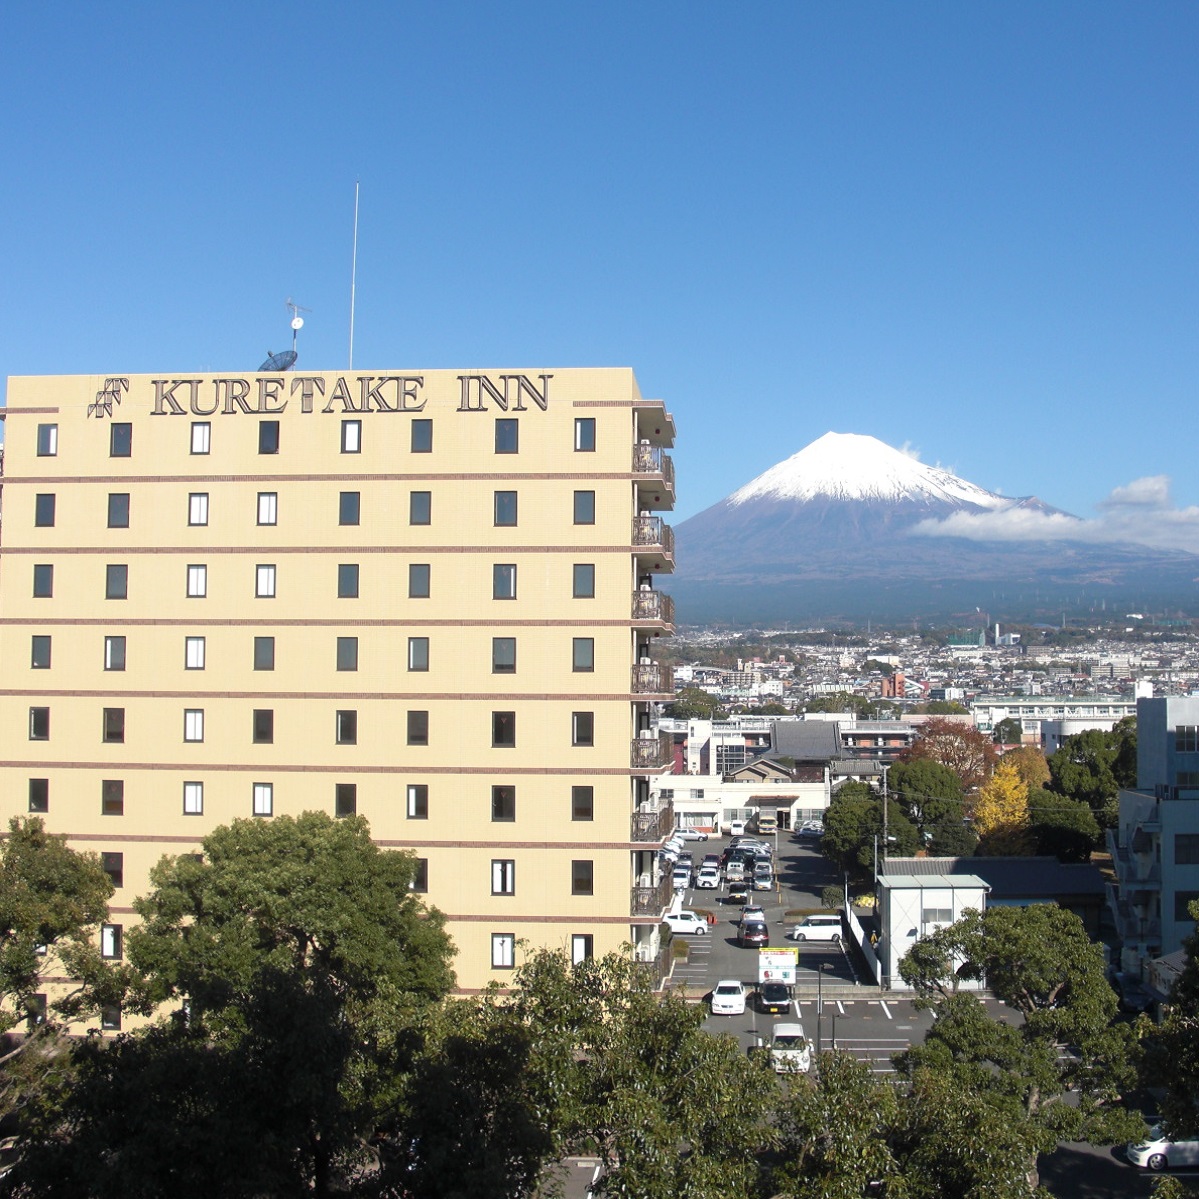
1141, 512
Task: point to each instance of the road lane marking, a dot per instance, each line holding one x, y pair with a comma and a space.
886, 1010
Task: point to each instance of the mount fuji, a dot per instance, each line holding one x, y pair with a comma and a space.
852, 527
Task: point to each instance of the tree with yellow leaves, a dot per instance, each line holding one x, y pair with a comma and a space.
1001, 812
1031, 765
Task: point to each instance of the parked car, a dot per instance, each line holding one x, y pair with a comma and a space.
811, 829
737, 893
708, 878
1156, 1153
753, 910
734, 871
680, 880
753, 932
711, 859
686, 922
774, 999
818, 928
691, 834
736, 828
763, 881
728, 998
789, 1049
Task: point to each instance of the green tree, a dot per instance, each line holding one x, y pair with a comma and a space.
940, 707
297, 961
1085, 769
1008, 731
1041, 963
951, 837
926, 791
854, 820
693, 703
1061, 827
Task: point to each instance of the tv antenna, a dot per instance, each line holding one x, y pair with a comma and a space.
286, 359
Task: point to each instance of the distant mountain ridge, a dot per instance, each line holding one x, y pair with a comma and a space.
840, 529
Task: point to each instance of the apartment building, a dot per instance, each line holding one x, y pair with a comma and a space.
427, 598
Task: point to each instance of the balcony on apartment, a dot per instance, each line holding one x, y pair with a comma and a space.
652, 901
655, 825
654, 534
654, 465
654, 606
652, 678
652, 751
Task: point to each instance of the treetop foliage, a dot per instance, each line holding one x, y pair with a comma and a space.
956, 745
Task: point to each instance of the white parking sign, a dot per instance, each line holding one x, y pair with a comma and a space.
778, 965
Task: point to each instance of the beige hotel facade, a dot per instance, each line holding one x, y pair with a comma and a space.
425, 597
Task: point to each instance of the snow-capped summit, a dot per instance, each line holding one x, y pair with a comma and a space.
851, 466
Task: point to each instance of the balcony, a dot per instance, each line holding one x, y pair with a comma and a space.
652, 532
651, 460
653, 605
653, 827
651, 678
652, 901
651, 753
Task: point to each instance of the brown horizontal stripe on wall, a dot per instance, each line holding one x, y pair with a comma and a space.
128, 768
617, 845
193, 552
610, 403
301, 623
25, 411
455, 697
422, 477
500, 919
134, 838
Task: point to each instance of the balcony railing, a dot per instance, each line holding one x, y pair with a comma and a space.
651, 678
653, 826
651, 753
653, 605
651, 901
651, 460
653, 532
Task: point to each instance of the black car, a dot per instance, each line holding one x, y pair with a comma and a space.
774, 999
753, 932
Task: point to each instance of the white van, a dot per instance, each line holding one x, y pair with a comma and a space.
818, 928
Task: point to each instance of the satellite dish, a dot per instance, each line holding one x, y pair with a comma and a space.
283, 361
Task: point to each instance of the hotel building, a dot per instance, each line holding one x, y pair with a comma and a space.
427, 598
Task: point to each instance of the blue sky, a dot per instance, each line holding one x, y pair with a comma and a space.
970, 229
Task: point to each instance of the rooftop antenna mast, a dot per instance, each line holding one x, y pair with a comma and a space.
353, 274
286, 359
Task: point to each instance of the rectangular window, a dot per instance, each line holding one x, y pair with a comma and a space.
113, 864
420, 876
39, 651
418, 653
120, 440
418, 728
345, 799
263, 726
264, 653
110, 941
503, 876
582, 803
264, 581
110, 1017
584, 580
264, 799
503, 655
351, 436
47, 441
505, 508
193, 799
268, 507
268, 438
349, 507
503, 581
1186, 849
35, 1005
113, 726
584, 434
503, 951
418, 580
418, 801
582, 728
194, 650
116, 581
347, 653
197, 582
201, 437
347, 580
503, 803
112, 797
39, 795
582, 877
583, 653
1186, 739
118, 509
197, 508
43, 581
193, 724
114, 653
582, 948
422, 435
43, 511
39, 724
420, 507
507, 435
503, 730
584, 507
346, 727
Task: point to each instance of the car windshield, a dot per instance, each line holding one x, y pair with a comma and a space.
789, 1042
728, 989
774, 992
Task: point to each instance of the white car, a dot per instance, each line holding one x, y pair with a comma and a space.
728, 998
686, 922
818, 928
680, 880
736, 828
691, 834
1156, 1153
789, 1050
708, 879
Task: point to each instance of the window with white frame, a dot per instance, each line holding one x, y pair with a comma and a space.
582, 947
193, 724
194, 650
197, 582
264, 581
351, 436
503, 951
201, 437
418, 801
197, 508
193, 799
503, 876
268, 507
264, 799
110, 941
